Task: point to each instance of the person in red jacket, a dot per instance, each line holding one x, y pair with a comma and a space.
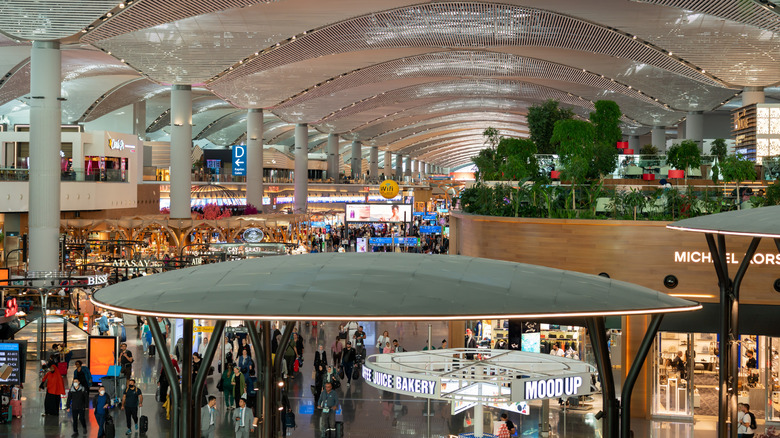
54, 389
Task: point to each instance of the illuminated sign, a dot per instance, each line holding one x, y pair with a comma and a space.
379, 213
101, 354
11, 307
12, 353
556, 387
253, 235
239, 162
118, 145
732, 258
400, 383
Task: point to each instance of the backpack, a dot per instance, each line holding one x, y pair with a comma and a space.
289, 420
753, 424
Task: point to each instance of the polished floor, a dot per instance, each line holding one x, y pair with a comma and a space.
364, 411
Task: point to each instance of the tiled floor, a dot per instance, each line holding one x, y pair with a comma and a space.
364, 412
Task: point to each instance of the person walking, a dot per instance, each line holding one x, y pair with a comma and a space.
336, 350
77, 404
747, 422
243, 420
82, 374
360, 340
328, 402
227, 386
103, 324
384, 339
132, 399
239, 384
208, 418
146, 336
52, 381
101, 403
126, 360
348, 362
244, 361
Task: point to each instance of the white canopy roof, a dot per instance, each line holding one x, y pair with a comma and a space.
380, 286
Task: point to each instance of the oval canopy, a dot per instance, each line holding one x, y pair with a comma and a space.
756, 222
380, 286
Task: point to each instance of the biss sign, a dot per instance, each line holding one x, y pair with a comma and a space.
554, 387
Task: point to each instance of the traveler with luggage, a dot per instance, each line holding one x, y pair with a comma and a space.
82, 374
101, 403
132, 399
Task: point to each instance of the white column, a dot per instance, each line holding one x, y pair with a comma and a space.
181, 151
413, 171
694, 127
388, 165
356, 163
408, 166
633, 143
399, 167
333, 157
423, 170
301, 167
752, 95
254, 158
373, 162
45, 141
658, 136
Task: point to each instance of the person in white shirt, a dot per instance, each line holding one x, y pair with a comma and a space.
556, 351
203, 345
243, 419
746, 419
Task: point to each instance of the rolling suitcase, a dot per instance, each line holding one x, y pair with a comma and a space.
339, 429
152, 350
143, 424
16, 408
109, 430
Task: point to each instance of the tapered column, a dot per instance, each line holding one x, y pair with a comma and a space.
333, 157
45, 122
658, 136
301, 167
181, 150
399, 167
694, 127
388, 165
357, 160
633, 143
408, 166
752, 95
254, 158
373, 162
413, 170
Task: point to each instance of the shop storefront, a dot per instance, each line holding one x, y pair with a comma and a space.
685, 368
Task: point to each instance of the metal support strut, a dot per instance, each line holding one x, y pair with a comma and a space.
203, 371
260, 369
598, 337
633, 374
170, 373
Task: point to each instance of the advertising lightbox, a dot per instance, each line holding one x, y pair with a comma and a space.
101, 351
367, 213
13, 354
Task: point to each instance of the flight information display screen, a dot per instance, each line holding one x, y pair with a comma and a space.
12, 354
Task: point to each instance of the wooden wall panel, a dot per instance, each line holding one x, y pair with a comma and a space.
636, 251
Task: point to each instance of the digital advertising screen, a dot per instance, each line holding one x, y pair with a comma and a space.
13, 354
101, 353
366, 213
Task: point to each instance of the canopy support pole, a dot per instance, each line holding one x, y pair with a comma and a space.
633, 374
728, 377
203, 371
170, 373
598, 337
280, 349
186, 428
261, 365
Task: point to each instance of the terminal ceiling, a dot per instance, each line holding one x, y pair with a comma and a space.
413, 78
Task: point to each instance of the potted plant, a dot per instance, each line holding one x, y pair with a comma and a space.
737, 168
719, 150
683, 156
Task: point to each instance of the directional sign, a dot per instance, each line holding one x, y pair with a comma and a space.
239, 160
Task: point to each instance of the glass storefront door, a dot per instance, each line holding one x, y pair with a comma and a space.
673, 388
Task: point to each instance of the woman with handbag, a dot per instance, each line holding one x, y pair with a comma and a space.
227, 386
239, 384
380, 343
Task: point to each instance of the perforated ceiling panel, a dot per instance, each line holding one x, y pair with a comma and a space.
463, 25
748, 12
379, 78
147, 13
50, 19
123, 95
